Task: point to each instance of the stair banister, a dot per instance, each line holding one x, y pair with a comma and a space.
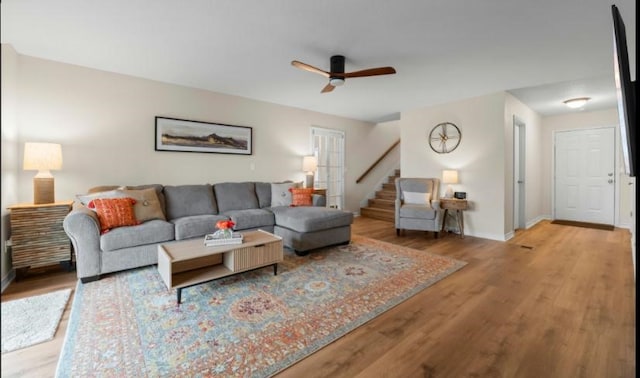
377, 161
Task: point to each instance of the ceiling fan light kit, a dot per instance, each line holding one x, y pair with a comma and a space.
337, 76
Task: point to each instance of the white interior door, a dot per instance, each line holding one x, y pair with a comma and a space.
584, 175
328, 146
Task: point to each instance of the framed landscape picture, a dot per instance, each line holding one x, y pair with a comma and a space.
192, 136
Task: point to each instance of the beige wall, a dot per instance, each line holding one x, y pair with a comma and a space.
105, 123
10, 161
585, 120
479, 158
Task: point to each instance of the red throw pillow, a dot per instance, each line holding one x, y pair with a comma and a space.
114, 212
301, 196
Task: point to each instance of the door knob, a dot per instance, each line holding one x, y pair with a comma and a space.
609, 174
610, 181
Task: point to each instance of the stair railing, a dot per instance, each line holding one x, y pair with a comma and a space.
377, 161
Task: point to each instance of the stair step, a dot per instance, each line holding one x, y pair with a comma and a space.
389, 186
382, 214
386, 194
380, 203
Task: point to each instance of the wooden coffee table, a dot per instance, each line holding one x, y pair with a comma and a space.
188, 263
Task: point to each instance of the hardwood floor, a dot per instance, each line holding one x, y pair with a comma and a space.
555, 301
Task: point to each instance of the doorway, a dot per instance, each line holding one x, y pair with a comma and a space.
585, 175
519, 160
328, 146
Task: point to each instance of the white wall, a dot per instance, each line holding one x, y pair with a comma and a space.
533, 169
479, 159
585, 120
10, 161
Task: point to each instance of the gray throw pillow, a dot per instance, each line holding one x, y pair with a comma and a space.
280, 194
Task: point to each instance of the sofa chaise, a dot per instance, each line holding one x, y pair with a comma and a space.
173, 213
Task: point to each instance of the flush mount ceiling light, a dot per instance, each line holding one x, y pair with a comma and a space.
575, 103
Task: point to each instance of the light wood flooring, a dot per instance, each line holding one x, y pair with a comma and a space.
554, 301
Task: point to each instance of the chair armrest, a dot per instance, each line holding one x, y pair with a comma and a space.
83, 229
435, 204
319, 200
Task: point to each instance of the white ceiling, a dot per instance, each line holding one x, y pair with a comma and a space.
543, 51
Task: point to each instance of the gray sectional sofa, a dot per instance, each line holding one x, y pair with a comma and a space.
191, 211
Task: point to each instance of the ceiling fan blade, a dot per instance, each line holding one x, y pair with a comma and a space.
371, 72
327, 88
309, 68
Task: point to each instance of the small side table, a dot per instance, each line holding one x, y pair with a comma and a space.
37, 236
459, 205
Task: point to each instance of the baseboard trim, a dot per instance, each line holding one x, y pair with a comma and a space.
536, 220
8, 279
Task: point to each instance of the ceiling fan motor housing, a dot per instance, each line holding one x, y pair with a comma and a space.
337, 65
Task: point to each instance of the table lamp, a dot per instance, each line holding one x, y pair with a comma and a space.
309, 165
42, 157
449, 177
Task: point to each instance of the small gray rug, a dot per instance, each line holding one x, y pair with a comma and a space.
32, 320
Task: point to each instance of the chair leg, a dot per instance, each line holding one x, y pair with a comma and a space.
435, 235
397, 232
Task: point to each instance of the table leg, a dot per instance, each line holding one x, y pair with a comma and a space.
275, 269
179, 294
461, 220
444, 219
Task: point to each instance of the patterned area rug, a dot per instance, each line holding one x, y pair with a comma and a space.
253, 324
32, 320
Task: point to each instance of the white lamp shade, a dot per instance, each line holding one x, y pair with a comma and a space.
42, 156
309, 164
450, 177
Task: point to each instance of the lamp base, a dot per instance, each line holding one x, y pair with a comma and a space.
309, 181
449, 192
43, 190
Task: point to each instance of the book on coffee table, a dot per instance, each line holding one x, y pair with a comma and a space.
210, 240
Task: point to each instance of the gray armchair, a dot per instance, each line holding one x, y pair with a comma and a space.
418, 205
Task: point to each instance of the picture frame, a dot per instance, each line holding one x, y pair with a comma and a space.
181, 135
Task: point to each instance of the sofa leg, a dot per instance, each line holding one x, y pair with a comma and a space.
89, 279
301, 253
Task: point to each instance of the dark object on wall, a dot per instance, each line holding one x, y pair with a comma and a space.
460, 195
174, 134
626, 93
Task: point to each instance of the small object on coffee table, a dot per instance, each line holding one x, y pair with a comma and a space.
211, 240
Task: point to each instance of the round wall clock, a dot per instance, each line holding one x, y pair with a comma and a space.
444, 137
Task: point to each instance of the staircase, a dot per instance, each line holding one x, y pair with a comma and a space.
383, 205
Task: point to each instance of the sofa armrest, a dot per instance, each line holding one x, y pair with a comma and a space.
319, 200
83, 229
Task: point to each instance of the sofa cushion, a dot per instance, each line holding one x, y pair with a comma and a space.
307, 219
114, 212
188, 200
416, 198
196, 225
236, 196
86, 198
263, 191
280, 194
154, 231
147, 206
251, 218
301, 196
417, 211
159, 192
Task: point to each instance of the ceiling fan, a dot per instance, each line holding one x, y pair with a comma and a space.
337, 75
